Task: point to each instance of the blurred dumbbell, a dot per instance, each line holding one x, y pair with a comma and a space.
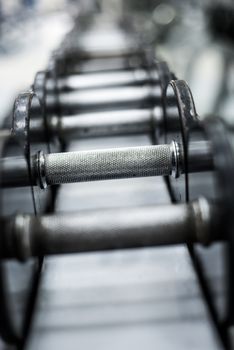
50, 90
24, 235
114, 122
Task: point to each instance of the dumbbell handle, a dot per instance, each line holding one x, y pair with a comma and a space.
107, 164
24, 236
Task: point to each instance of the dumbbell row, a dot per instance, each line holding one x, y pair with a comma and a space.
25, 235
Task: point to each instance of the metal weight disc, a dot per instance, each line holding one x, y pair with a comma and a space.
218, 262
18, 281
210, 262
39, 88
223, 148
177, 127
213, 181
165, 76
27, 107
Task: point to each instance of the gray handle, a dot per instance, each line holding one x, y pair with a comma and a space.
27, 235
106, 164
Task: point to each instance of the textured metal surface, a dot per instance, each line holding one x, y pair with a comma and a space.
107, 230
108, 164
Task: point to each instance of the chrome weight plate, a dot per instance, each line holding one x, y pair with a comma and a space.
27, 106
177, 127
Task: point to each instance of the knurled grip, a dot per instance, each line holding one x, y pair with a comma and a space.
61, 168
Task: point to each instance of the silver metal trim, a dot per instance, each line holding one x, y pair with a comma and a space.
40, 164
175, 151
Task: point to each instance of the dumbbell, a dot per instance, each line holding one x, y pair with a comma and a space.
108, 164
25, 236
115, 97
99, 123
102, 98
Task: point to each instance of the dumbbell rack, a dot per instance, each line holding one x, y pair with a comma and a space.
83, 121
